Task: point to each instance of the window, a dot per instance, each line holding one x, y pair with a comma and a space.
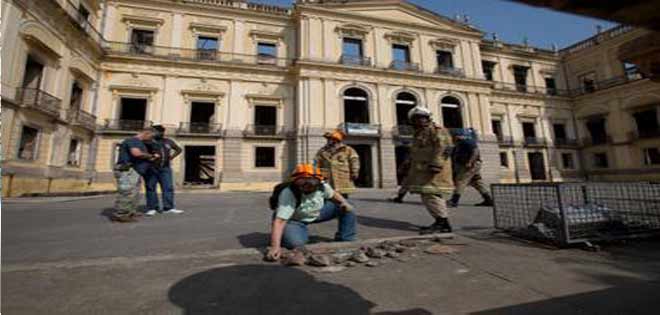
597, 130
83, 14
588, 82
504, 159
404, 103
567, 161
76, 96
489, 68
631, 71
445, 59
207, 47
132, 113
356, 106
264, 157
551, 86
600, 160
652, 156
142, 41
401, 57
352, 47
520, 76
529, 130
647, 123
560, 132
27, 148
265, 120
497, 128
73, 158
33, 73
451, 112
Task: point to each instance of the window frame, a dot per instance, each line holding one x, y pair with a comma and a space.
78, 152
361, 46
448, 54
35, 154
572, 165
256, 160
504, 163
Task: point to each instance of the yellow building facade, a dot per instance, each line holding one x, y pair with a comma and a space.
248, 90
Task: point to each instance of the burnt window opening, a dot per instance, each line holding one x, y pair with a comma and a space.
201, 116
588, 82
600, 160
265, 120
27, 147
520, 76
264, 157
404, 103
142, 41
631, 71
559, 131
489, 69
76, 96
34, 71
652, 156
567, 161
83, 13
596, 128
550, 86
444, 59
207, 47
647, 123
536, 165
529, 130
132, 113
504, 159
356, 106
451, 112
73, 158
199, 165
497, 128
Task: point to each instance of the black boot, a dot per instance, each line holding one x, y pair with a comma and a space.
453, 202
488, 201
441, 225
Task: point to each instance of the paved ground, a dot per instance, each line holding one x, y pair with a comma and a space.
65, 258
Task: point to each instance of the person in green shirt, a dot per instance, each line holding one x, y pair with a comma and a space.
308, 200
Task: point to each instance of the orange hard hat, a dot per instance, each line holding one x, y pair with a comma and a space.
306, 170
338, 135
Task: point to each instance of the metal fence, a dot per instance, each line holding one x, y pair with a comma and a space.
569, 213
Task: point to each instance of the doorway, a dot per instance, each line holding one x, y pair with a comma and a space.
536, 165
365, 178
199, 165
401, 154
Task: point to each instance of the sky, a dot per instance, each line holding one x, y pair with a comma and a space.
511, 21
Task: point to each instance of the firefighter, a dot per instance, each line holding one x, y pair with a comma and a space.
402, 173
430, 173
467, 168
339, 163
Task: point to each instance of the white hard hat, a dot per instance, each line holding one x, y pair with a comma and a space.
418, 110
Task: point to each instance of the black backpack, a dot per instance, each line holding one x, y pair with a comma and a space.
273, 201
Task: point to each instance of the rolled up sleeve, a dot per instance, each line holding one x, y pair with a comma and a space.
328, 192
286, 205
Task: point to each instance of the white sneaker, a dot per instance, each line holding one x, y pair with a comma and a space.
151, 213
173, 211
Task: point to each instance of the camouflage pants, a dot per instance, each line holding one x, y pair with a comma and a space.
128, 192
435, 205
470, 177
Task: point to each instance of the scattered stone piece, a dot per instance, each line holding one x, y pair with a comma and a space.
330, 269
403, 259
350, 264
440, 249
400, 248
294, 258
341, 258
387, 246
375, 253
392, 254
318, 261
408, 243
371, 264
359, 257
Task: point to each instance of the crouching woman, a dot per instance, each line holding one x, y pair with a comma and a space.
308, 200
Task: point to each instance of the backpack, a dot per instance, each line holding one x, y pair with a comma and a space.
274, 199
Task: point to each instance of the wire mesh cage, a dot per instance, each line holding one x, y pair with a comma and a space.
567, 213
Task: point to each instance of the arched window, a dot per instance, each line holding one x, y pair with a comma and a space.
356, 106
451, 112
404, 103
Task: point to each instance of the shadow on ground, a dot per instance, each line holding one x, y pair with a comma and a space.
262, 289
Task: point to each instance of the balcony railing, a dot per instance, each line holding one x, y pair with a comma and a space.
535, 142
361, 129
126, 125
530, 89
450, 71
630, 76
199, 128
591, 141
264, 131
645, 134
39, 100
355, 60
505, 140
564, 142
79, 117
403, 131
404, 66
81, 21
198, 55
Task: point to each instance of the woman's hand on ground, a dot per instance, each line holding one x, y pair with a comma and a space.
274, 253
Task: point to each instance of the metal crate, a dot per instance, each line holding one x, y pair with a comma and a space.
569, 213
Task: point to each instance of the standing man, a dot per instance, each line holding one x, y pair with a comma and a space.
160, 173
467, 168
430, 168
339, 163
402, 173
133, 162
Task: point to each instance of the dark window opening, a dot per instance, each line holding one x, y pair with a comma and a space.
600, 160
489, 68
73, 158
652, 156
529, 130
404, 103
356, 106
199, 165
567, 161
504, 159
551, 86
83, 13
142, 41
451, 112
365, 178
631, 71
596, 128
76, 96
264, 157
265, 120
588, 82
132, 113
520, 76
560, 132
33, 73
536, 165
207, 47
201, 116
27, 148
497, 129
647, 123
445, 59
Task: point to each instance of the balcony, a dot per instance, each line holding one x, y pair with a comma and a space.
265, 131
125, 125
361, 129
199, 128
81, 118
39, 100
403, 131
530, 89
404, 66
355, 60
535, 142
567, 143
644, 134
192, 55
450, 71
505, 141
593, 141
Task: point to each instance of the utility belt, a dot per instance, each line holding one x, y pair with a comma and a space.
123, 167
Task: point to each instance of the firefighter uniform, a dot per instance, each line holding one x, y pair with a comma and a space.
339, 163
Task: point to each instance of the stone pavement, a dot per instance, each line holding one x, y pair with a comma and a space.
64, 258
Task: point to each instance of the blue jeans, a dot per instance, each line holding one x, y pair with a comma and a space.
152, 178
296, 234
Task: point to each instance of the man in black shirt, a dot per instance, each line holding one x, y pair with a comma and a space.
160, 172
